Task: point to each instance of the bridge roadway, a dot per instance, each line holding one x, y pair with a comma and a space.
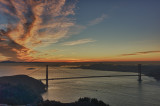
89, 77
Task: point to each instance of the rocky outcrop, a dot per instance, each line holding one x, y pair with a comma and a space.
20, 89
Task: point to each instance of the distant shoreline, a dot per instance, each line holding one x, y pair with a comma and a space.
148, 70
90, 62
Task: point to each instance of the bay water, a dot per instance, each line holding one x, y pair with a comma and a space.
116, 91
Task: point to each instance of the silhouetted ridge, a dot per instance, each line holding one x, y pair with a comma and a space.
20, 90
81, 102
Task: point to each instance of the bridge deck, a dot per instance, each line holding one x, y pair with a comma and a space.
89, 77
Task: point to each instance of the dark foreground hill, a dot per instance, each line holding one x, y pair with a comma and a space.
20, 89
23, 90
81, 102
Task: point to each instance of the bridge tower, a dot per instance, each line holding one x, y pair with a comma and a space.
139, 72
46, 76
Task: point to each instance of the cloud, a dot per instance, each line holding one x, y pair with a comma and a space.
98, 20
33, 23
2, 26
77, 42
140, 53
76, 29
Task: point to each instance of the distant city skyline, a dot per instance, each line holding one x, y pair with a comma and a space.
79, 30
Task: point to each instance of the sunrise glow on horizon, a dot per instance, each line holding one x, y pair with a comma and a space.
79, 30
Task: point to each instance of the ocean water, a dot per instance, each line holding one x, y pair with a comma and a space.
116, 91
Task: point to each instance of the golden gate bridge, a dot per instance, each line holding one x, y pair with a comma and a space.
139, 75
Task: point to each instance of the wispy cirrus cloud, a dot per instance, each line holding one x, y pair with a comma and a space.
33, 23
2, 26
77, 42
76, 29
140, 53
98, 20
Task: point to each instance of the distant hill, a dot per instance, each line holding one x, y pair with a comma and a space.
8, 61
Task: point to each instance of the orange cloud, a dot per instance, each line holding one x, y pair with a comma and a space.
140, 53
33, 23
77, 42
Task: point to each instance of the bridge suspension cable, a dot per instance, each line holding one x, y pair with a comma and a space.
71, 72
35, 71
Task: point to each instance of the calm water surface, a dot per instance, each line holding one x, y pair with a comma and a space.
117, 91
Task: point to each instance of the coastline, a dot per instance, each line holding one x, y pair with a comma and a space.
148, 70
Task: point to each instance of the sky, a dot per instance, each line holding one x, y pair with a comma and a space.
79, 30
